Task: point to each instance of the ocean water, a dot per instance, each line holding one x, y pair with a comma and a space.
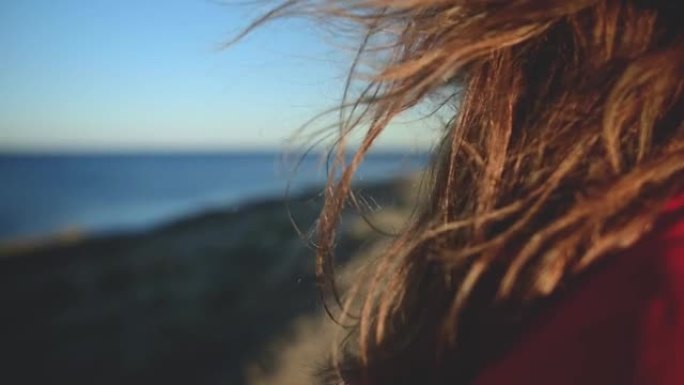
43, 195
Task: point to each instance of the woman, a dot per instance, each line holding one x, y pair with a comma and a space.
551, 248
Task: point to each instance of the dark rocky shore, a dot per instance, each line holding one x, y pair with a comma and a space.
196, 301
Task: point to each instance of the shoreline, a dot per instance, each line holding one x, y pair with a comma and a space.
70, 235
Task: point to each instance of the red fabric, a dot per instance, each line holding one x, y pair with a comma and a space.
623, 325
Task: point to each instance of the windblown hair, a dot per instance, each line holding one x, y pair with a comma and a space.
566, 140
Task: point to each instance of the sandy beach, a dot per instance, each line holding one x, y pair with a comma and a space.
218, 297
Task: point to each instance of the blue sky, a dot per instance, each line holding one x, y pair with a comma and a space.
138, 74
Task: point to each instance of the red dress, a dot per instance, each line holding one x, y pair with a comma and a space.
623, 325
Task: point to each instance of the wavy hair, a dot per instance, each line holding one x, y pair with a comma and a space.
565, 138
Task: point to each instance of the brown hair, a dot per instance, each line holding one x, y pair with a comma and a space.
566, 140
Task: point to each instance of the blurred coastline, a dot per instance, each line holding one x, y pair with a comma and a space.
225, 295
76, 195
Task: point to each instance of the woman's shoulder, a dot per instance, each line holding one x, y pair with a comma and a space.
668, 240
622, 324
660, 357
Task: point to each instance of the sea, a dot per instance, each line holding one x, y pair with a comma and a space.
45, 195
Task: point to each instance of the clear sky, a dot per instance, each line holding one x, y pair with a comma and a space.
137, 74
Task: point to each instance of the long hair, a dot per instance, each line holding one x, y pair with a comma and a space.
565, 140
